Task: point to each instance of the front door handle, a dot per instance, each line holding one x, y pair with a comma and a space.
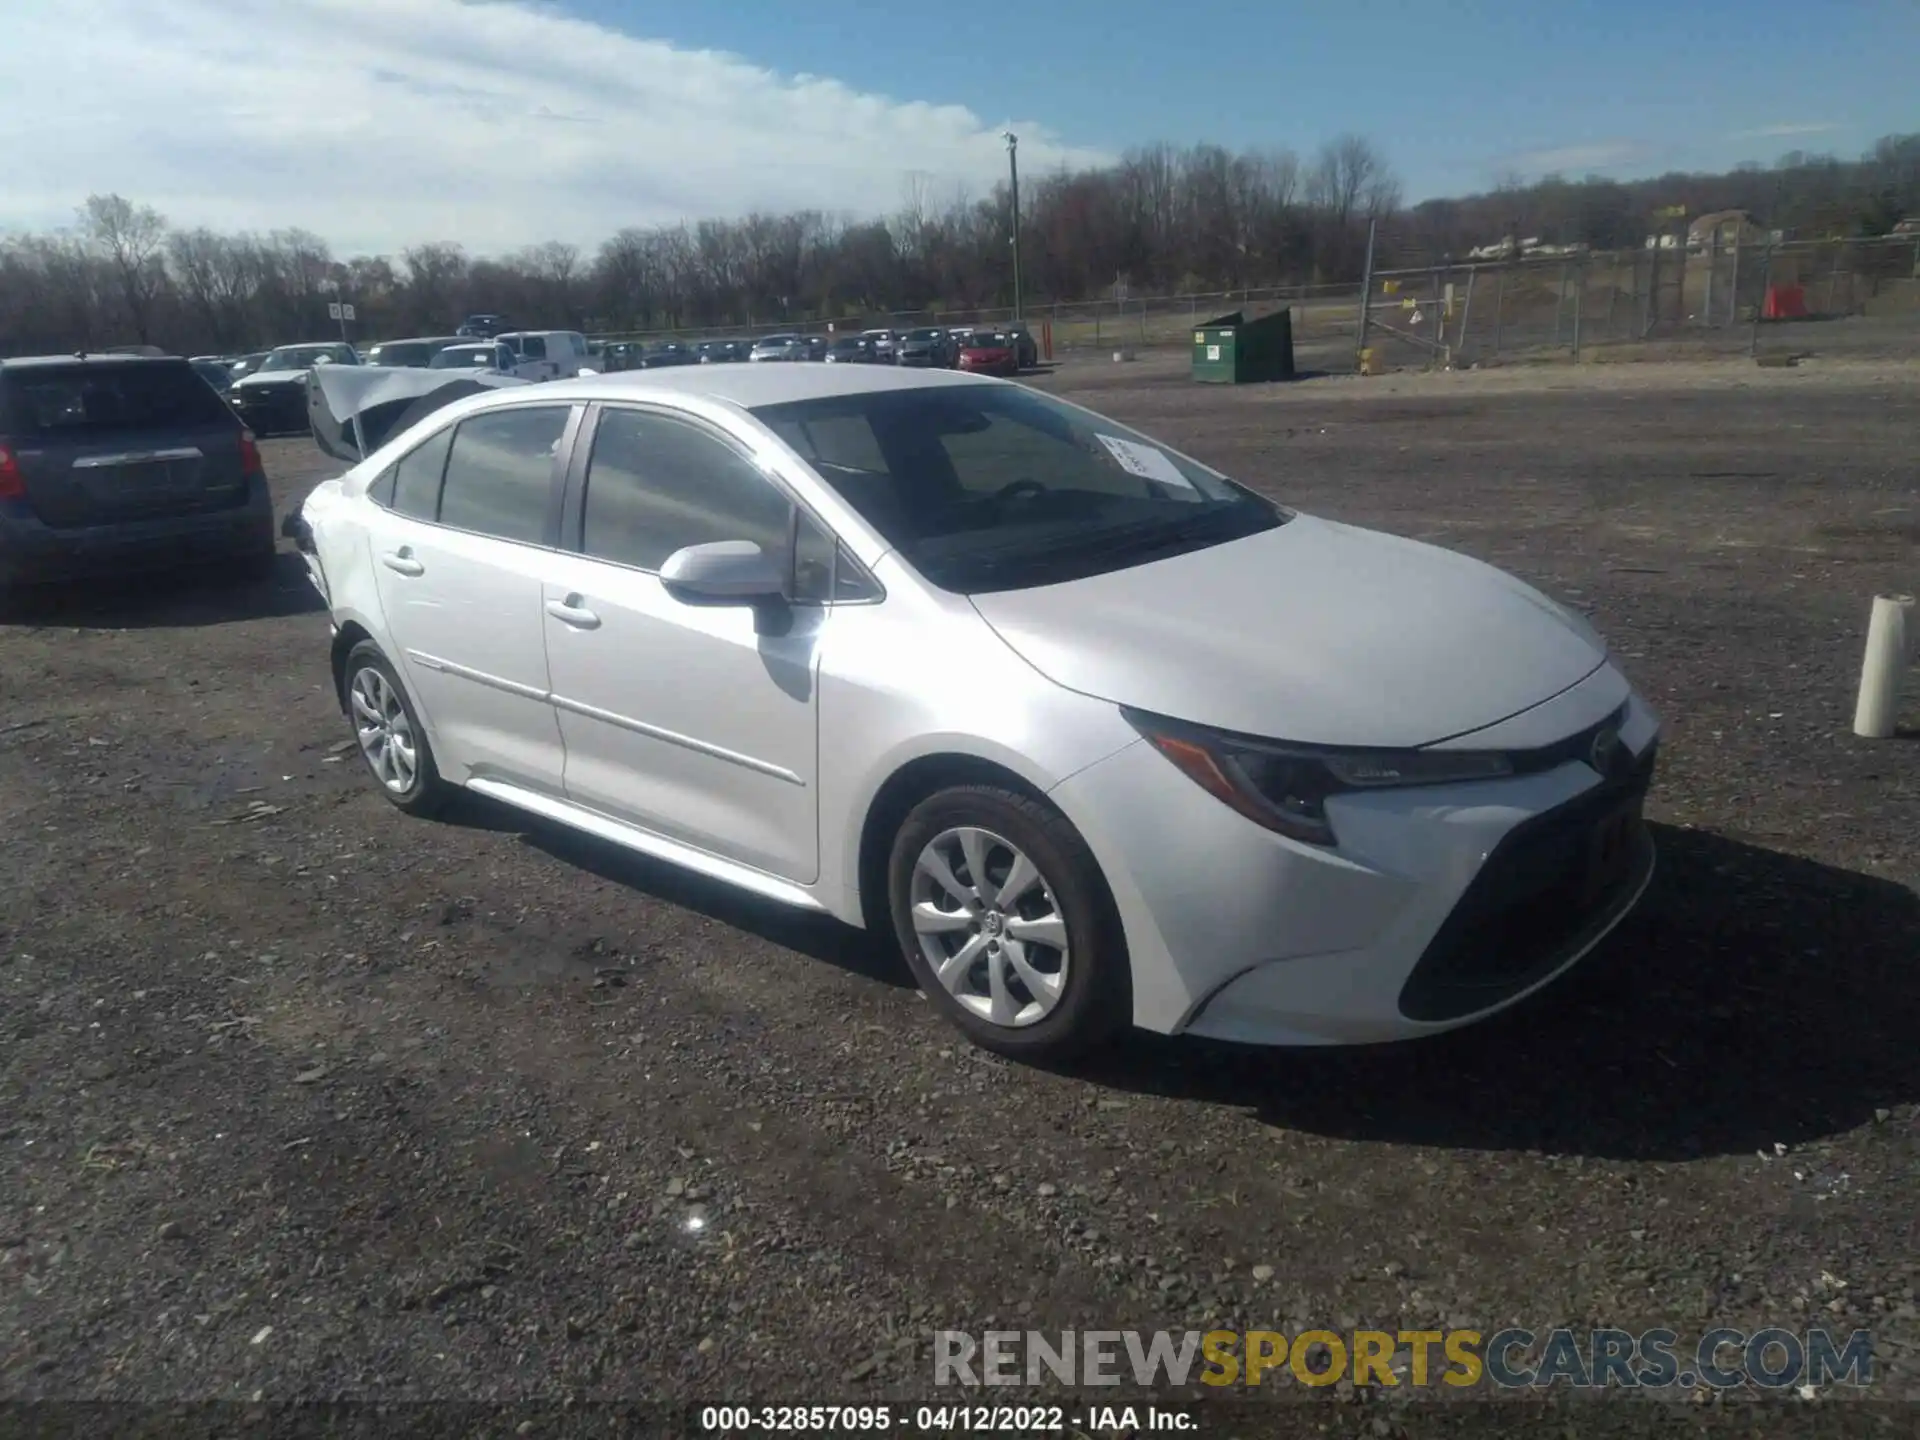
573, 611
401, 562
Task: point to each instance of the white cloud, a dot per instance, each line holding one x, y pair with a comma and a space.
381, 123
1575, 159
1781, 132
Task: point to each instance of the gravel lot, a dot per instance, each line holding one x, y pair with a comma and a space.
299, 1097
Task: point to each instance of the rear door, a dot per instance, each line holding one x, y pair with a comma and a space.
104, 442
465, 529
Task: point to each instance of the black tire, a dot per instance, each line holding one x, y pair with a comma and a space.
1096, 1001
428, 793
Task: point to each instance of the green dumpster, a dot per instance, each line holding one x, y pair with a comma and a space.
1233, 350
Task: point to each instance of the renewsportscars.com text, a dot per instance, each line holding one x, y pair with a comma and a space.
1512, 1358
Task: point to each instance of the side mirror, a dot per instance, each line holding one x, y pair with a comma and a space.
724, 572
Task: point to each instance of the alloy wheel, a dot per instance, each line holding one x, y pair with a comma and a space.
989, 926
385, 733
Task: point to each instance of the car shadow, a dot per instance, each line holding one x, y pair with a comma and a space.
817, 936
165, 598
1754, 999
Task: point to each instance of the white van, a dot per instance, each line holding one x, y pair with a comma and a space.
546, 354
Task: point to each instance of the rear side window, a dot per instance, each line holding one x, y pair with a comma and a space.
80, 401
533, 347
416, 479
500, 473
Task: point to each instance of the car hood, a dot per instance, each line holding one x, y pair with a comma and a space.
270, 377
1314, 632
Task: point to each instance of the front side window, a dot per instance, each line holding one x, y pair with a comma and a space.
656, 484
999, 488
533, 347
500, 473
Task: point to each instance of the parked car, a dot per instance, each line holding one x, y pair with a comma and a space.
481, 327
115, 463
813, 347
850, 350
621, 355
478, 355
989, 352
547, 354
272, 399
1026, 349
882, 342
928, 346
669, 353
246, 364
725, 352
1243, 773
776, 347
415, 354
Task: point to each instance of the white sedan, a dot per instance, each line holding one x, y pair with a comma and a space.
1098, 734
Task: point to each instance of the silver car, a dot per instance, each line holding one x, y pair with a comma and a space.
778, 347
1094, 734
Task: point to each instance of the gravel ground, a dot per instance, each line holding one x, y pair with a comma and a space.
301, 1098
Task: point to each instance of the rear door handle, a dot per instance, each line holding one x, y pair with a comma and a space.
573, 611
401, 562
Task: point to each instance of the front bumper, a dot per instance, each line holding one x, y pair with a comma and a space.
1440, 905
32, 552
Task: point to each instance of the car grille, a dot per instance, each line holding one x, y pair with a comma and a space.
1539, 898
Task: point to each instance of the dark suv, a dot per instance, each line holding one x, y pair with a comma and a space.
109, 463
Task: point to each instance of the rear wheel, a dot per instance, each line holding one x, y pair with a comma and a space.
1007, 923
391, 738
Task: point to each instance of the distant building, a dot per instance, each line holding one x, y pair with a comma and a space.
1727, 227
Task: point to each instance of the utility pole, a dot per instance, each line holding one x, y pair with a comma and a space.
1013, 179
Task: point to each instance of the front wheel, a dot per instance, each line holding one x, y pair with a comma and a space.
1008, 924
391, 738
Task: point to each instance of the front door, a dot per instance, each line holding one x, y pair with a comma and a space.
695, 723
458, 551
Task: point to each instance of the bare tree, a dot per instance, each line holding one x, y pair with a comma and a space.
130, 238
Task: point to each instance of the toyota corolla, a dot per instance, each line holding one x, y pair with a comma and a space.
1097, 734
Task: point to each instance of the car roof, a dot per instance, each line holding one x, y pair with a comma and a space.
749, 386
413, 340
23, 362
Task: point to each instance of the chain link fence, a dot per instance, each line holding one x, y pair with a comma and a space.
1673, 299
1705, 298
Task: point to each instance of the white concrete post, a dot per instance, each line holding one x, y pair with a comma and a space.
1891, 638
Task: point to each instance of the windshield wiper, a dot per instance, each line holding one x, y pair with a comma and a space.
1145, 536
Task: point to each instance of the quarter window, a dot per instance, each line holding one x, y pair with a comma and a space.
415, 489
500, 473
656, 484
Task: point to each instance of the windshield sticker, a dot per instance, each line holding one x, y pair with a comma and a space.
1144, 460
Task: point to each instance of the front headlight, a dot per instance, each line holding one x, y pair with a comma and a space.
1286, 787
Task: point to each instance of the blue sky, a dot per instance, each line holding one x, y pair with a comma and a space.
1454, 90
380, 124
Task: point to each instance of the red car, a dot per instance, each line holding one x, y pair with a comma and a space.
990, 352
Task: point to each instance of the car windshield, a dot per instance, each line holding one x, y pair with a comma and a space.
999, 488
404, 352
988, 340
305, 357
779, 340
925, 334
